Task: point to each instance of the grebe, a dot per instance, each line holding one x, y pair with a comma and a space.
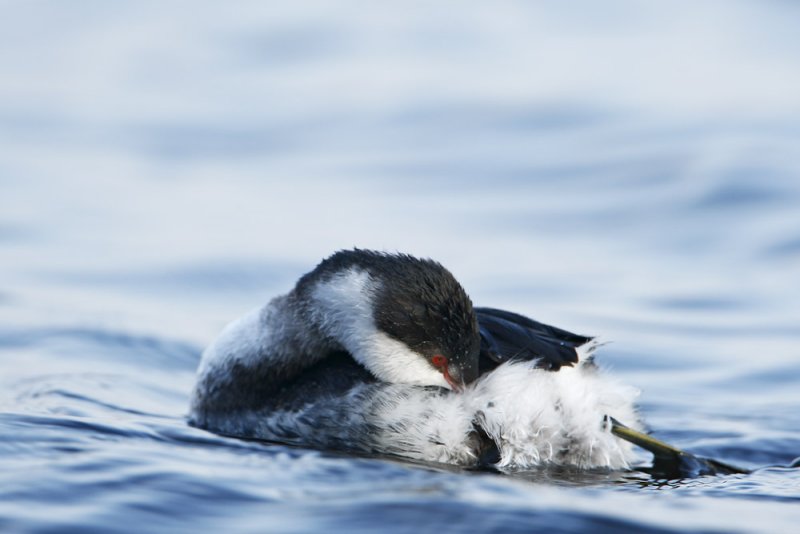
384, 353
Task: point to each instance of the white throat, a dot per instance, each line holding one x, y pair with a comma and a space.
343, 308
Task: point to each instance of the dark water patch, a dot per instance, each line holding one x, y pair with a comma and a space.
25, 434
755, 452
85, 343
172, 142
446, 516
13, 233
764, 485
209, 141
205, 278
473, 118
107, 495
100, 395
290, 46
787, 376
568, 476
34, 445
92, 429
23, 123
682, 327
716, 303
77, 398
566, 180
555, 116
747, 187
184, 435
787, 248
179, 432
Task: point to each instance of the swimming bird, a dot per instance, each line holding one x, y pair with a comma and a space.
384, 353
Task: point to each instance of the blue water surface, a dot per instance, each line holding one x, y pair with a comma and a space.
619, 169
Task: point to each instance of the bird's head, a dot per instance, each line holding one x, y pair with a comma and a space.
407, 320
428, 311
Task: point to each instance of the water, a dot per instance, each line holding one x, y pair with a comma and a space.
627, 170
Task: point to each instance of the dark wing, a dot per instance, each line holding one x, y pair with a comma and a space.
509, 336
333, 376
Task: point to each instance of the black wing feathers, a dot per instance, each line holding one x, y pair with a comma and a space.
509, 336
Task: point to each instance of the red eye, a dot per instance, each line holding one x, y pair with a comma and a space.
438, 360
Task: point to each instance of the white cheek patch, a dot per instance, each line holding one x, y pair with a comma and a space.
393, 361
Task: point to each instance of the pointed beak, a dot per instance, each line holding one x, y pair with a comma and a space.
455, 384
458, 376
